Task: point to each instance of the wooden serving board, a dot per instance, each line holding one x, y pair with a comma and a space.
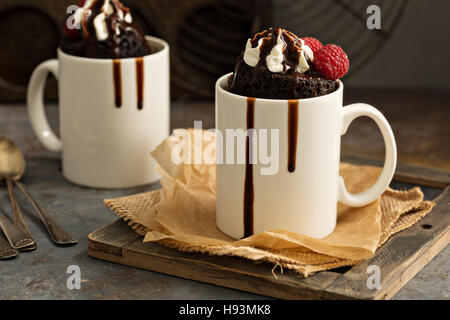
399, 259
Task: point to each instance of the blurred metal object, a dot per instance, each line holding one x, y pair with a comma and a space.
206, 38
342, 22
29, 34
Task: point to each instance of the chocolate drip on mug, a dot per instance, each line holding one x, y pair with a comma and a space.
140, 82
117, 78
292, 134
248, 185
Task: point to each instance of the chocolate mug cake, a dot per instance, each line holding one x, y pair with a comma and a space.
284, 104
276, 64
103, 29
113, 95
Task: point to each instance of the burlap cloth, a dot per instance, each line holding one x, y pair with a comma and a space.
182, 216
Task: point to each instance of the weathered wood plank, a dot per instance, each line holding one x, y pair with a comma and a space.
399, 259
402, 256
112, 238
229, 272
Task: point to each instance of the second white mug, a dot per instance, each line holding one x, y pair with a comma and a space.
112, 114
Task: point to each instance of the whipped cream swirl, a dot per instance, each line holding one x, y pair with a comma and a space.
280, 50
108, 9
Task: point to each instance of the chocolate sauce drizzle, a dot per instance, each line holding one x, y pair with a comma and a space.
292, 134
117, 78
97, 7
249, 195
292, 47
140, 82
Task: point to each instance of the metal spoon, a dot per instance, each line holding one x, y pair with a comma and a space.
17, 234
18, 217
12, 167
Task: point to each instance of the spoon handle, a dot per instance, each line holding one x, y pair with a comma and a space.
18, 217
16, 237
6, 251
58, 235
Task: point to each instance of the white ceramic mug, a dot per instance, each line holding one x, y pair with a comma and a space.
112, 114
302, 195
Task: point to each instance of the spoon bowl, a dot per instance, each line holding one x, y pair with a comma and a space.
12, 161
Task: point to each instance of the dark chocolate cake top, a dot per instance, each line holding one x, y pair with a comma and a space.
103, 29
276, 64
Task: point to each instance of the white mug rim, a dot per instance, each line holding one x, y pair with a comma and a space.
151, 39
222, 90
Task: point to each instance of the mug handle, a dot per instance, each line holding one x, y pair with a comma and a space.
350, 113
35, 103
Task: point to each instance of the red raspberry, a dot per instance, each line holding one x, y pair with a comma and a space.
331, 62
313, 43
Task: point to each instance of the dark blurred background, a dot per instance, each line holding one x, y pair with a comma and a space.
402, 69
410, 51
